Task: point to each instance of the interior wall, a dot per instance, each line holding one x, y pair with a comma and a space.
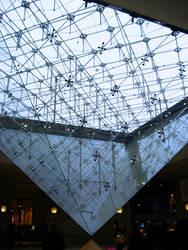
14, 185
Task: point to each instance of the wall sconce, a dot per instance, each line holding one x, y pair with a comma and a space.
53, 210
186, 206
3, 209
119, 211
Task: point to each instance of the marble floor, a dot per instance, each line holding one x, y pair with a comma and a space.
36, 248
40, 248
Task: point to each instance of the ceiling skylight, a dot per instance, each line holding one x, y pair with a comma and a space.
89, 67
97, 67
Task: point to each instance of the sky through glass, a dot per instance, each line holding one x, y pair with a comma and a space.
95, 66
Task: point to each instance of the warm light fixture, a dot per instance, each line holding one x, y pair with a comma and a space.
53, 210
120, 211
3, 209
186, 206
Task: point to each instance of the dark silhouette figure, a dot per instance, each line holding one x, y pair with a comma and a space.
2, 233
157, 237
119, 241
137, 241
53, 240
181, 234
6, 235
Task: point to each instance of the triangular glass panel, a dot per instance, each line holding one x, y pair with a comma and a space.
91, 179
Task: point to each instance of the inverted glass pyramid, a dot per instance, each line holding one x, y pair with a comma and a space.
91, 179
75, 84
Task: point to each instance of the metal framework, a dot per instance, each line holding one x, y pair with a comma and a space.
90, 179
94, 66
93, 102
93, 134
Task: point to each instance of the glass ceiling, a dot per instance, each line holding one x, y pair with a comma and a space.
65, 63
96, 67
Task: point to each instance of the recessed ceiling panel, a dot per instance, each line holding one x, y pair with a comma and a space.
170, 13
